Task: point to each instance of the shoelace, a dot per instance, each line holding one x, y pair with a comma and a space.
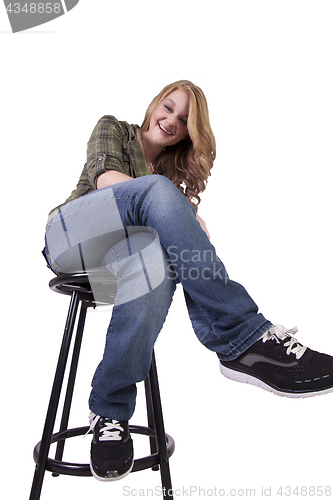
279, 332
110, 431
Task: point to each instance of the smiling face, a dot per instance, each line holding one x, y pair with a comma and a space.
168, 124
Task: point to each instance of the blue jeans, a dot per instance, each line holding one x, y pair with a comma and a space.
145, 232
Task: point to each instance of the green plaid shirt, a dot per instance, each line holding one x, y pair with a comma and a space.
113, 145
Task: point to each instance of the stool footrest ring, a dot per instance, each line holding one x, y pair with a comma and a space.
78, 469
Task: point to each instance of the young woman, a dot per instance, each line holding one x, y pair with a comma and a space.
133, 213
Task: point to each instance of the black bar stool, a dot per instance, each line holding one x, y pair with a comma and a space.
162, 446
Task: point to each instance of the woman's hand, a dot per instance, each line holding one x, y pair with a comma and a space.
203, 225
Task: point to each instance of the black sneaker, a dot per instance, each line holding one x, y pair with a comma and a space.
278, 363
111, 456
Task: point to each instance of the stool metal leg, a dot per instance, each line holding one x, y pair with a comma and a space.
151, 419
54, 400
160, 431
71, 382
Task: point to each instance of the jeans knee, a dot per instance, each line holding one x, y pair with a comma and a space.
161, 180
162, 186
164, 196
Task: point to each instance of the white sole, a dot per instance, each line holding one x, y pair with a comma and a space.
106, 479
249, 379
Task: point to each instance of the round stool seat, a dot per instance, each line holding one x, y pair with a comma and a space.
103, 282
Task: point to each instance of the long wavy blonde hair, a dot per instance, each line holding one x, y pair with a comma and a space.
188, 163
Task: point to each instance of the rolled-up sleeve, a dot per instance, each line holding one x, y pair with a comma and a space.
105, 148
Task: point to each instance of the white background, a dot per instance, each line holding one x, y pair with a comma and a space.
266, 69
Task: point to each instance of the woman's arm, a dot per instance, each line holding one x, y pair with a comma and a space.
105, 152
111, 177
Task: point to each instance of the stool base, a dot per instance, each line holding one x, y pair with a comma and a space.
58, 467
